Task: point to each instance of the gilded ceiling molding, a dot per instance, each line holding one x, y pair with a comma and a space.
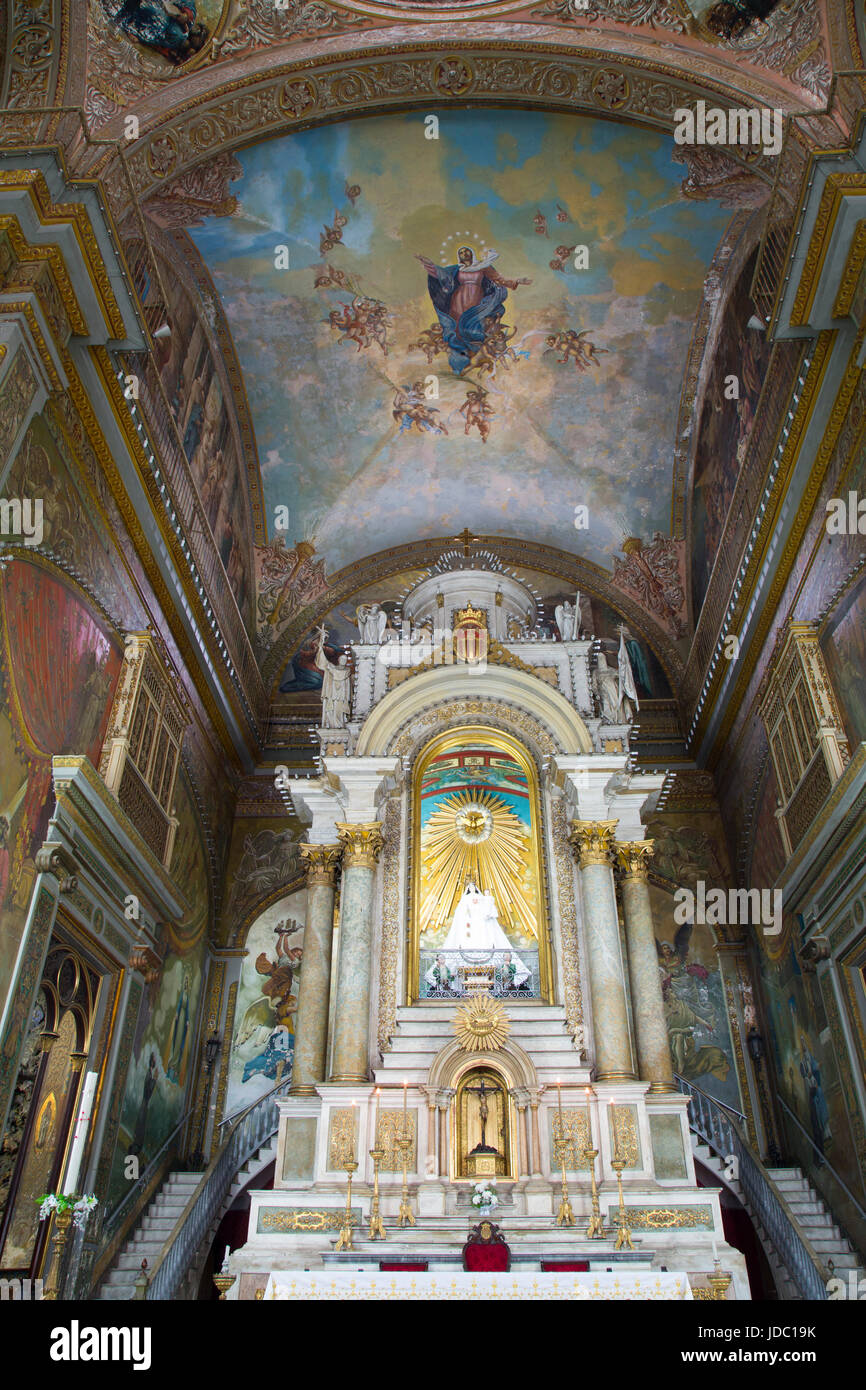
749, 660
186, 263
573, 571
216, 113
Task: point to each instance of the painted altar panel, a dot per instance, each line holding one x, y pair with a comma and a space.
263, 1042
478, 897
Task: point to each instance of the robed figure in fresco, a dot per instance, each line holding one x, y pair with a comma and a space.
468, 298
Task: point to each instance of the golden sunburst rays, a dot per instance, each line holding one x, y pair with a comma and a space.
475, 833
482, 1025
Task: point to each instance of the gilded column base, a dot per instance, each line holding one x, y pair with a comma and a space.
616, 1076
356, 1078
302, 1091
662, 1088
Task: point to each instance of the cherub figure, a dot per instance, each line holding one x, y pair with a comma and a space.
563, 253
332, 235
476, 412
412, 412
430, 341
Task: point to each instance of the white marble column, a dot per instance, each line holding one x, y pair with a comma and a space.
651, 1033
593, 845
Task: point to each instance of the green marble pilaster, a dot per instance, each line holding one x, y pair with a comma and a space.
362, 845
651, 1034
311, 1024
593, 844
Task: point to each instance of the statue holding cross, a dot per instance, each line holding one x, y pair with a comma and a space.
484, 1090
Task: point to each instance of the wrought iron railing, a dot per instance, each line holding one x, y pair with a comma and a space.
504, 974
721, 1128
252, 1128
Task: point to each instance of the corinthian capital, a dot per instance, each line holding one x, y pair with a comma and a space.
362, 844
633, 856
592, 841
321, 861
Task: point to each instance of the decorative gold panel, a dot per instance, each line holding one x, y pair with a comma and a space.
342, 1136
572, 1127
389, 1131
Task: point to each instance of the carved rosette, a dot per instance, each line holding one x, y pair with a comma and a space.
633, 856
592, 841
321, 862
362, 844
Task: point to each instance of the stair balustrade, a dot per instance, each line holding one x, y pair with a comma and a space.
723, 1129
246, 1135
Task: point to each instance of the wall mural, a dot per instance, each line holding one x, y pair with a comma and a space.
805, 1065
171, 33
60, 665
351, 280
694, 1002
160, 1067
744, 353
844, 647
263, 1041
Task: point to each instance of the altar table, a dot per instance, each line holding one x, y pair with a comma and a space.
375, 1285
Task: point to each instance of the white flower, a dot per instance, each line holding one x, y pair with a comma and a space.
48, 1206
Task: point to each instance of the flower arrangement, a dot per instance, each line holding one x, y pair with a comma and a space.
61, 1202
484, 1194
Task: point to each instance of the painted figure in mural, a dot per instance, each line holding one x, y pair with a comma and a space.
412, 412
175, 1055
138, 1134
4, 858
477, 413
171, 29
273, 1060
811, 1084
475, 927
465, 296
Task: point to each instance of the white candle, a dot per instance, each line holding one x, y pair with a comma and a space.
82, 1124
405, 1093
376, 1122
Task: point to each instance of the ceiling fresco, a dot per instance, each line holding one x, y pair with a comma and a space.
394, 399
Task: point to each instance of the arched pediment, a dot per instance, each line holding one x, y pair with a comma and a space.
497, 684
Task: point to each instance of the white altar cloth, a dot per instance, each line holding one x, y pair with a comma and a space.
346, 1284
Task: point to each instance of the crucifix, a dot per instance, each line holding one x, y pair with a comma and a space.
466, 537
482, 1092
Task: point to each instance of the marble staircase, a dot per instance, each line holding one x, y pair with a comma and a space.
810, 1215
149, 1237
424, 1029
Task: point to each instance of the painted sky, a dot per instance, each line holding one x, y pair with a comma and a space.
329, 446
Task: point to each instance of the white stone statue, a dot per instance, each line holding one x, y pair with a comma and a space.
605, 682
568, 619
475, 927
371, 619
336, 687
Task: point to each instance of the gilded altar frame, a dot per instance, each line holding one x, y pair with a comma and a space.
509, 746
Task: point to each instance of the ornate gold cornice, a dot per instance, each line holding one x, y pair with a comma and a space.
851, 273
836, 189
52, 214
362, 844
633, 856
321, 862
52, 257
593, 841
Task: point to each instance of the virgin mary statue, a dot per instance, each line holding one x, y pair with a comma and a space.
475, 928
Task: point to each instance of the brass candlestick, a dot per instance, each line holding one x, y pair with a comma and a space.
595, 1229
62, 1222
719, 1282
377, 1230
345, 1241
623, 1235
565, 1215
405, 1218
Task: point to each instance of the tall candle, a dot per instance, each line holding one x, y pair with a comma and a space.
405, 1084
376, 1122
79, 1138
613, 1138
559, 1097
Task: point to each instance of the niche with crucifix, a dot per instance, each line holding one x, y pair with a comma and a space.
483, 1127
